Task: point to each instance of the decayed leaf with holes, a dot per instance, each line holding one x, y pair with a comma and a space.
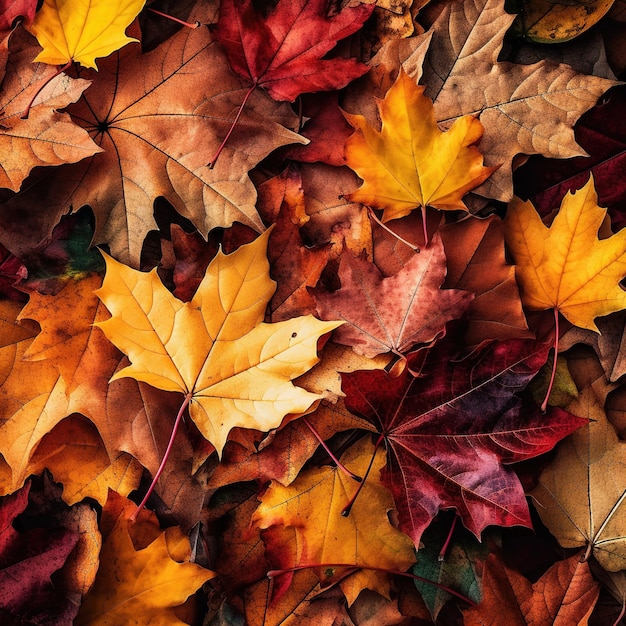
410, 163
145, 582
565, 594
565, 266
46, 137
580, 495
82, 30
527, 109
235, 370
159, 117
392, 313
312, 504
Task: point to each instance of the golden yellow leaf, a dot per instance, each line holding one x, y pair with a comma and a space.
313, 505
215, 349
137, 586
410, 163
566, 266
82, 30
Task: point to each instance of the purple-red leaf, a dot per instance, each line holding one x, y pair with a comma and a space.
452, 431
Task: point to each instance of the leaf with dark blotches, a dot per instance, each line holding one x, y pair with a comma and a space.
453, 431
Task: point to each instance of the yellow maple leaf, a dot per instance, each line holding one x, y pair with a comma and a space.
410, 163
234, 369
313, 505
566, 267
82, 30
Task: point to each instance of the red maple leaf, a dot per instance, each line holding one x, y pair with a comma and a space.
282, 51
452, 431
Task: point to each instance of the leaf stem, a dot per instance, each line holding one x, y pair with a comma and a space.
211, 163
175, 19
621, 614
444, 548
166, 455
425, 226
374, 217
544, 404
346, 509
278, 572
41, 88
330, 453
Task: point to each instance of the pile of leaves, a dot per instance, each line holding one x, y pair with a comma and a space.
310, 312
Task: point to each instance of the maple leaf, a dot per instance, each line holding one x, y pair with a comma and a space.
410, 163
81, 31
396, 312
313, 505
452, 432
27, 560
282, 50
233, 369
566, 594
580, 494
158, 134
46, 137
566, 267
147, 581
527, 109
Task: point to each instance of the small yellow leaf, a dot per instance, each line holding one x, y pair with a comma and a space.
410, 163
237, 369
566, 266
82, 30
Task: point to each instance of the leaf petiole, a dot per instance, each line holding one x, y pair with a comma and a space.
41, 88
175, 19
374, 217
544, 404
278, 572
330, 453
211, 163
166, 455
346, 509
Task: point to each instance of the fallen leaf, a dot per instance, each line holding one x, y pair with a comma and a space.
142, 125
81, 31
233, 369
133, 584
11, 10
452, 432
396, 312
283, 49
47, 137
524, 109
313, 505
566, 267
410, 163
566, 594
579, 495
545, 21
27, 561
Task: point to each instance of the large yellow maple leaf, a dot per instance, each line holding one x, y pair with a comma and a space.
566, 267
234, 369
410, 163
82, 30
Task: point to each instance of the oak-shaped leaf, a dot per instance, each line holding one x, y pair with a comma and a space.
81, 31
580, 495
410, 163
565, 594
566, 267
159, 117
47, 137
282, 51
27, 560
392, 313
234, 369
313, 505
525, 109
452, 432
144, 573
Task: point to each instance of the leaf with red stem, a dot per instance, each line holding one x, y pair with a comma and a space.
452, 432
